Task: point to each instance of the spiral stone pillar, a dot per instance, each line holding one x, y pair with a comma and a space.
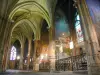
91, 41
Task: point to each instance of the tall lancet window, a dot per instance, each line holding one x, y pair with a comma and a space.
13, 53
78, 29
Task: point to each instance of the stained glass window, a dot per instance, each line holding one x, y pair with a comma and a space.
78, 29
13, 53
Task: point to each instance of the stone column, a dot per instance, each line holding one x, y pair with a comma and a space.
51, 48
5, 54
34, 55
5, 47
8, 60
1, 55
2, 39
4, 34
21, 56
51, 33
51, 54
91, 42
29, 52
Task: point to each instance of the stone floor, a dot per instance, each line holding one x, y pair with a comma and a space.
21, 72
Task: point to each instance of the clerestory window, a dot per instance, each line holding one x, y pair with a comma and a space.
79, 32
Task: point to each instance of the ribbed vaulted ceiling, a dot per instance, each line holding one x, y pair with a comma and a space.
28, 15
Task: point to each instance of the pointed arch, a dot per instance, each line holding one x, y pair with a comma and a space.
45, 14
36, 36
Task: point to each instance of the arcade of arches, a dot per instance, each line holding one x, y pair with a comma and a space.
59, 35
